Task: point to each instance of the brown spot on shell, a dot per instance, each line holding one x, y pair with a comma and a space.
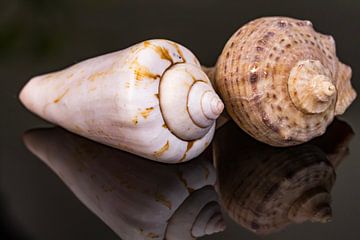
281, 24
58, 99
163, 149
184, 182
135, 120
146, 112
161, 198
259, 49
163, 52
188, 147
179, 52
152, 235
253, 77
96, 75
141, 72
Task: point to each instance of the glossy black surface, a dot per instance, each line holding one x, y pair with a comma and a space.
38, 36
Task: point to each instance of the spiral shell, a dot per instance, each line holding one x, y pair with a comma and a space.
151, 99
294, 184
136, 198
281, 81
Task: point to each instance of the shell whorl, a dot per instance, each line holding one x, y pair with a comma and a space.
188, 102
281, 81
311, 87
199, 215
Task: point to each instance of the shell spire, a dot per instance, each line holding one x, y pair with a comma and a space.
188, 102
311, 87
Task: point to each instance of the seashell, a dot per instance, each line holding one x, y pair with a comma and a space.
151, 99
136, 198
281, 81
294, 187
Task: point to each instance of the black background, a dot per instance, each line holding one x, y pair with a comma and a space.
37, 36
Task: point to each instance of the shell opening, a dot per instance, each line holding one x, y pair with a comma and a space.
188, 102
311, 87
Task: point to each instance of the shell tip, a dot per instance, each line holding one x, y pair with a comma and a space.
212, 105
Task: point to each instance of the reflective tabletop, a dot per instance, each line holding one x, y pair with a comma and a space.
57, 185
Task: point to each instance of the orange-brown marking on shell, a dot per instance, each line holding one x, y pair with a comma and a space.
188, 147
184, 182
146, 112
157, 96
164, 125
206, 171
96, 75
152, 235
58, 99
159, 197
163, 52
163, 149
141, 72
135, 120
179, 51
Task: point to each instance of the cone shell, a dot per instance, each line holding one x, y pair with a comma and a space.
294, 186
138, 100
136, 198
281, 81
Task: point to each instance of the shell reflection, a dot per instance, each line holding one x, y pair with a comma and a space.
264, 188
136, 198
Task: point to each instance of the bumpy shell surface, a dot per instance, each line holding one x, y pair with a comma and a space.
294, 184
151, 99
136, 198
281, 81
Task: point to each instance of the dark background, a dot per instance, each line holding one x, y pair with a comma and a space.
37, 36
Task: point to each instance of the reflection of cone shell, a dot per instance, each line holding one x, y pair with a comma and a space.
136, 198
204, 211
265, 188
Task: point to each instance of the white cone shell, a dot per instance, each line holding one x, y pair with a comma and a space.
114, 99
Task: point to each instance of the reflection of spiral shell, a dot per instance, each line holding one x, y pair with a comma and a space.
136, 198
265, 188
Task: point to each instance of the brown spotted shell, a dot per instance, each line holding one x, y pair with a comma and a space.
281, 81
294, 184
